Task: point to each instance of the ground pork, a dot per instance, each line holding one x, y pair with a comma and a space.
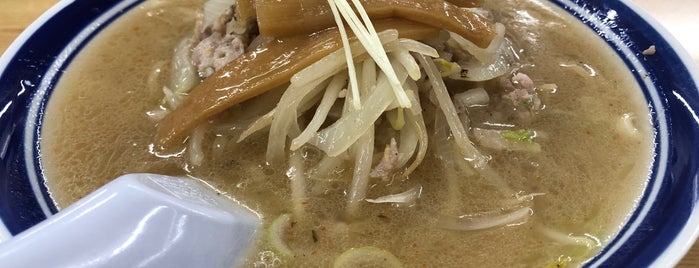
521, 92
217, 50
388, 161
218, 44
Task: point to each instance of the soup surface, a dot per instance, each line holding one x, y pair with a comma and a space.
583, 184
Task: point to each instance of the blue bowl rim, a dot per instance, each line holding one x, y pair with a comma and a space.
594, 13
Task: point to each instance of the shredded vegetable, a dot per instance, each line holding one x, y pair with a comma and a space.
367, 257
184, 74
331, 94
406, 198
586, 240
276, 235
356, 101
470, 223
366, 34
468, 150
364, 151
195, 152
297, 176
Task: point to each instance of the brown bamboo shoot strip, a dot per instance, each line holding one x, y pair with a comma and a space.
245, 10
287, 18
467, 3
258, 71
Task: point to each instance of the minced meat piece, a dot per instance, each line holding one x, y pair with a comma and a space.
218, 44
388, 161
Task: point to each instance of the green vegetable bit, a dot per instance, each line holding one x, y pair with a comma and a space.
522, 135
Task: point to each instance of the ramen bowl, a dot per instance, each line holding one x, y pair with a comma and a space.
659, 231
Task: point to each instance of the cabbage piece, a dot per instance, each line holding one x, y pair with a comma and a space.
487, 63
484, 55
469, 98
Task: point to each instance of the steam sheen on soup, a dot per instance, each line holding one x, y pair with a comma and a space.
564, 133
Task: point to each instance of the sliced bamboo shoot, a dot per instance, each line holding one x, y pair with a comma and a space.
288, 18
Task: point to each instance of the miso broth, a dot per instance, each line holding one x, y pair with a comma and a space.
584, 182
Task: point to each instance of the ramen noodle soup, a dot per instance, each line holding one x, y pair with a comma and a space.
507, 135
